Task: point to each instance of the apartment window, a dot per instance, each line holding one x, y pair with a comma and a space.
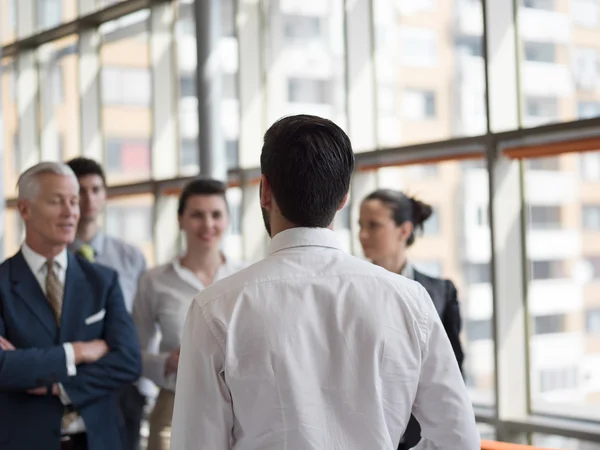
477, 273
590, 166
585, 68
301, 29
544, 217
585, 12
548, 270
432, 225
479, 330
235, 218
126, 86
470, 45
547, 5
419, 104
482, 216
306, 90
231, 152
49, 13
559, 379
187, 86
590, 217
588, 110
550, 324
593, 264
189, 152
132, 223
419, 47
127, 155
540, 52
592, 321
541, 107
550, 163
57, 83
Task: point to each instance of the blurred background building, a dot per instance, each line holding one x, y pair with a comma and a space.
489, 110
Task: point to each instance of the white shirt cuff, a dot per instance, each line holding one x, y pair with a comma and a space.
70, 356
62, 394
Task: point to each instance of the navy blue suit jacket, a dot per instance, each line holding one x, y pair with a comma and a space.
33, 422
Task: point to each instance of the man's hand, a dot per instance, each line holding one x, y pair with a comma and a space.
43, 390
89, 352
172, 362
6, 345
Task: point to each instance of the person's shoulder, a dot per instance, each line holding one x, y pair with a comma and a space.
96, 270
125, 249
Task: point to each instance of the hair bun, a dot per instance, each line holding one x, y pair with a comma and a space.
421, 212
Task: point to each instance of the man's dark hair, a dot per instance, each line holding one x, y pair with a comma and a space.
85, 166
308, 162
201, 186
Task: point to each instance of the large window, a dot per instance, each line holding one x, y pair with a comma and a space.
560, 245
10, 124
559, 70
304, 57
126, 98
429, 70
456, 245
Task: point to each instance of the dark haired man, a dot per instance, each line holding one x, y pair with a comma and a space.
129, 262
312, 348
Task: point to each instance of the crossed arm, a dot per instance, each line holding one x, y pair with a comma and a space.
102, 365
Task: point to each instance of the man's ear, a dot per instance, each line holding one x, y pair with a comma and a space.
24, 208
266, 196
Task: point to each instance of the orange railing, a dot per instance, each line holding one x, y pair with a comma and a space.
493, 445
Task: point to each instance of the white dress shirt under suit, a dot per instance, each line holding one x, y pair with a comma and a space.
37, 264
312, 348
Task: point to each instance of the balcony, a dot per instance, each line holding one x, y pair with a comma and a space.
541, 79
551, 187
549, 297
469, 18
544, 26
553, 244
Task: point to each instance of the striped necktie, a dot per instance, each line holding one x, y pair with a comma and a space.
54, 294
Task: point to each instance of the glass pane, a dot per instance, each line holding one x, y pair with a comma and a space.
126, 98
458, 249
563, 205
487, 431
51, 13
305, 59
8, 21
185, 30
232, 243
131, 219
59, 99
13, 232
560, 60
9, 111
553, 441
429, 70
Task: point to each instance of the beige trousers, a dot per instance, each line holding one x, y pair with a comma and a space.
160, 421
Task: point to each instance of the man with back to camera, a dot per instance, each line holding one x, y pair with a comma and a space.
129, 262
67, 344
312, 348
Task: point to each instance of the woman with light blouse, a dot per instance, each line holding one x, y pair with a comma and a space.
165, 293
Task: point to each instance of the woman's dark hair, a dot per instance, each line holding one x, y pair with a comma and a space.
403, 209
201, 186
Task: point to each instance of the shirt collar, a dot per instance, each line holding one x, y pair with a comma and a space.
97, 242
36, 261
304, 237
186, 275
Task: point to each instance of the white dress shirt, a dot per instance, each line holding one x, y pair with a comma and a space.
37, 264
162, 301
314, 349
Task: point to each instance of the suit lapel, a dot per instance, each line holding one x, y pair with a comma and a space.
26, 286
73, 308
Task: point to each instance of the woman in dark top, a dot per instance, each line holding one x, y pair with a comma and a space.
388, 222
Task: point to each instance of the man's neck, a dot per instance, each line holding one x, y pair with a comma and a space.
48, 251
86, 231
